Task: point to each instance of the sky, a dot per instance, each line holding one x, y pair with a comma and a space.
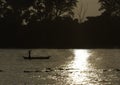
91, 6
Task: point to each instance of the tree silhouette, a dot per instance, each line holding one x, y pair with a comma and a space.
24, 11
81, 10
5, 12
110, 7
14, 10
20, 4
51, 9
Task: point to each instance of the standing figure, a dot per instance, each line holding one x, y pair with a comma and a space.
29, 54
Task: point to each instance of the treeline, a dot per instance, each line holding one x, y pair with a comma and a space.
51, 24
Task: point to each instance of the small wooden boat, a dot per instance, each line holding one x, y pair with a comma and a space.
39, 57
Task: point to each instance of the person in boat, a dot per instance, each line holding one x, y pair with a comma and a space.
29, 54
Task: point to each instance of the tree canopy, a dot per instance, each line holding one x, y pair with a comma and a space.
110, 7
51, 9
24, 11
20, 4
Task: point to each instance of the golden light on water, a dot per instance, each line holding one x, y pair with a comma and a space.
80, 66
80, 60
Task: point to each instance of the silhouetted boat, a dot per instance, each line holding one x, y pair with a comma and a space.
41, 57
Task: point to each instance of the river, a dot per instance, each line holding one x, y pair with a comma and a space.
65, 67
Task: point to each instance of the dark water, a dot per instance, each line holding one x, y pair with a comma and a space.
65, 67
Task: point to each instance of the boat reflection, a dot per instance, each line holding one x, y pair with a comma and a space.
79, 67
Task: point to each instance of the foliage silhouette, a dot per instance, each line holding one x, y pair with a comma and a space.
50, 24
48, 10
111, 7
20, 4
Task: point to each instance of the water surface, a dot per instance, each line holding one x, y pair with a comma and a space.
65, 67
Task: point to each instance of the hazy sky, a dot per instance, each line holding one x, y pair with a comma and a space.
92, 7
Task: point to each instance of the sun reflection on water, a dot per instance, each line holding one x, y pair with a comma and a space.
79, 66
80, 60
